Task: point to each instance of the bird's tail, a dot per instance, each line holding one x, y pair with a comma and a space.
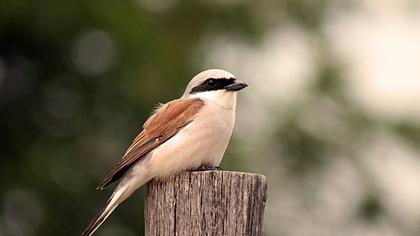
115, 199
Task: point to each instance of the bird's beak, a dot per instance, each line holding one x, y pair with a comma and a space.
238, 85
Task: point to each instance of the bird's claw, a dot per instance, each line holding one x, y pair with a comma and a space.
206, 168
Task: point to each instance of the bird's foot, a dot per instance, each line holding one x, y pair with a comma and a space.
207, 167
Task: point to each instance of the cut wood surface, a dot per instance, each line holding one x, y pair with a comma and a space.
206, 203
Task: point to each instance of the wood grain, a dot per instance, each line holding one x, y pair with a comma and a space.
206, 203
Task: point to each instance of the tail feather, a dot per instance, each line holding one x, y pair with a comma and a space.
110, 206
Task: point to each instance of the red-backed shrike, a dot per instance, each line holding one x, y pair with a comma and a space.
184, 134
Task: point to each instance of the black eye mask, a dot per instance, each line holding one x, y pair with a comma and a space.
212, 84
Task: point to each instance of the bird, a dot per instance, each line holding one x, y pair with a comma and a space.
188, 133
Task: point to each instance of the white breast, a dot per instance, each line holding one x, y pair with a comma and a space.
203, 141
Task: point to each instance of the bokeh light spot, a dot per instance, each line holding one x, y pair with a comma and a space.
94, 53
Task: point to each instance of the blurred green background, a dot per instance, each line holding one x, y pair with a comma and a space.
331, 116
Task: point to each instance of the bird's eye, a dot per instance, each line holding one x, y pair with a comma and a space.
211, 83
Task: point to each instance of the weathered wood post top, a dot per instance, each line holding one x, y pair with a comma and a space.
206, 203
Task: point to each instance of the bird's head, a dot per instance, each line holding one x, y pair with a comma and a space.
216, 85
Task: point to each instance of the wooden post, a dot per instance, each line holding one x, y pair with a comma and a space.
206, 203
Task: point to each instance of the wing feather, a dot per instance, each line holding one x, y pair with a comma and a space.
161, 126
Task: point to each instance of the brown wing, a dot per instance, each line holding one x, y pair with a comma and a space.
161, 126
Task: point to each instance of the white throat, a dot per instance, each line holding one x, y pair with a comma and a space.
221, 98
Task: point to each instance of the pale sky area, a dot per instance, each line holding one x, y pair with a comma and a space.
381, 47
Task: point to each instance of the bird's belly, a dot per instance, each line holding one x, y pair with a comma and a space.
201, 142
